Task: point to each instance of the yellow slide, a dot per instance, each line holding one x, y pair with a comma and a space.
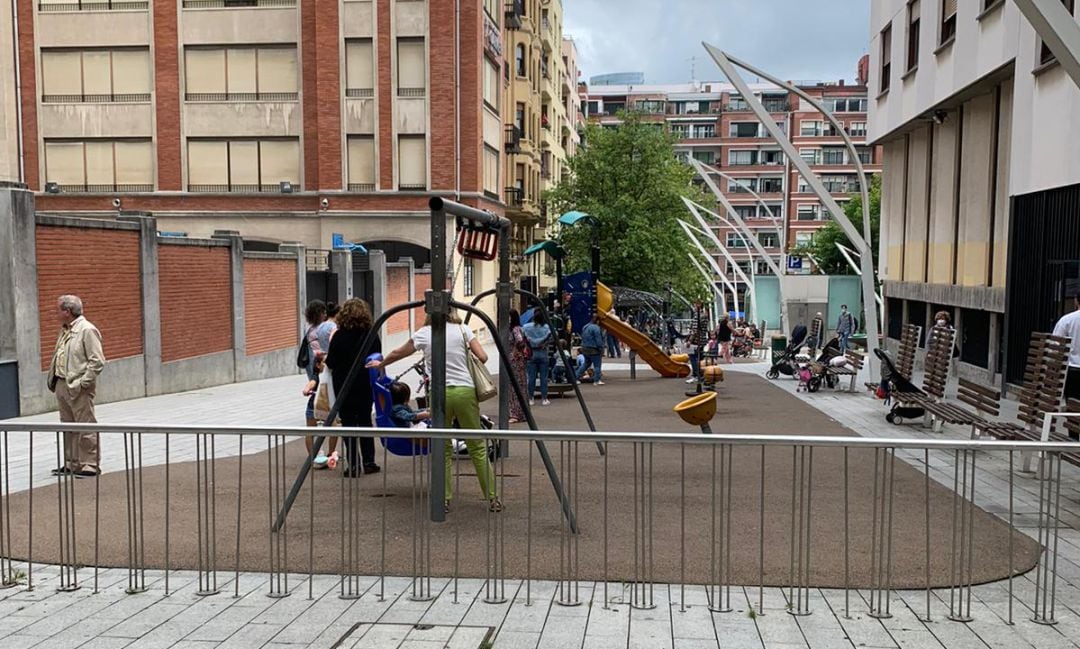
642, 345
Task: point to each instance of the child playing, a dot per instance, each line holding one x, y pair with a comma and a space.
401, 413
323, 390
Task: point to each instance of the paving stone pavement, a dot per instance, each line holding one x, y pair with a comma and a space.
101, 614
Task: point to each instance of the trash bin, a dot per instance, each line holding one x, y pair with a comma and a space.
779, 343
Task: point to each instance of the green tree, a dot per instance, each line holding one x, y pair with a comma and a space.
823, 248
629, 179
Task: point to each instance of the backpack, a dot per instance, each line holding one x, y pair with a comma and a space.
303, 355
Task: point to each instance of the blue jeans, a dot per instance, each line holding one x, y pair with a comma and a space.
537, 366
844, 346
695, 363
613, 349
595, 360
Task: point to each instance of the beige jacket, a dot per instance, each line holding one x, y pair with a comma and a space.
84, 356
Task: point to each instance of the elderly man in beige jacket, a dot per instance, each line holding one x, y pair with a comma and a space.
76, 363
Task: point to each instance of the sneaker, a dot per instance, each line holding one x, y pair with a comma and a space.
495, 505
321, 461
371, 468
599, 383
545, 402
86, 473
61, 470
532, 402
692, 379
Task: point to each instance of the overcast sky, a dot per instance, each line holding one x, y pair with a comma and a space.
793, 39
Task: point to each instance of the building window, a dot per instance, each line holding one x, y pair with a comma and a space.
491, 84
810, 128
768, 239
491, 171
742, 185
95, 76
519, 118
832, 156
811, 156
743, 157
948, 21
100, 165
865, 155
857, 129
746, 211
411, 67
744, 129
651, 106
467, 275
735, 241
359, 68
680, 131
242, 165
736, 102
412, 162
804, 238
913, 35
886, 58
772, 157
807, 213
240, 74
519, 61
704, 131
771, 185
361, 163
1045, 55
848, 105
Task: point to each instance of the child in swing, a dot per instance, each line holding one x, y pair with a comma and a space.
402, 414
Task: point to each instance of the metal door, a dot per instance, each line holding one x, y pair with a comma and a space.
9, 389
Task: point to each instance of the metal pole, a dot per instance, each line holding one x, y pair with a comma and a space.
437, 305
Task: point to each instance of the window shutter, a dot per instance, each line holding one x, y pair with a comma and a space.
97, 72
240, 70
359, 65
948, 9
411, 72
64, 163
277, 69
61, 73
208, 162
204, 71
491, 170
279, 160
412, 161
99, 163
131, 71
244, 162
361, 160
134, 163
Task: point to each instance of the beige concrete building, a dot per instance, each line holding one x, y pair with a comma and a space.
981, 191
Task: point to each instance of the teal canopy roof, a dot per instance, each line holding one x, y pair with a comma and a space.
552, 248
571, 218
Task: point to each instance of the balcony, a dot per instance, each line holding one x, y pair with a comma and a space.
513, 14
230, 188
230, 4
512, 135
104, 189
94, 5
362, 187
124, 98
240, 96
515, 197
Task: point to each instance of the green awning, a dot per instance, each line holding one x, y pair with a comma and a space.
553, 249
571, 218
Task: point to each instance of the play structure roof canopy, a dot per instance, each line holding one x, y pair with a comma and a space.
553, 249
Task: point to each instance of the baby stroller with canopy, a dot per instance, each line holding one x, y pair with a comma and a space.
819, 368
893, 381
784, 362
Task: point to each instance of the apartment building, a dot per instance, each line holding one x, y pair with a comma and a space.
981, 184
540, 133
283, 120
714, 124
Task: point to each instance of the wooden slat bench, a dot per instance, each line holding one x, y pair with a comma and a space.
936, 375
855, 361
905, 356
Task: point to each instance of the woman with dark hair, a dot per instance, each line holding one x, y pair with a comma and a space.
354, 323
518, 347
537, 335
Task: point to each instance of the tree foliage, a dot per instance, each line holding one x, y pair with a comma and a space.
629, 179
823, 249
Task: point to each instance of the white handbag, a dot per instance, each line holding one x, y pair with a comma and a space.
482, 380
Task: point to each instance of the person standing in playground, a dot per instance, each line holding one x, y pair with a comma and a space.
354, 322
699, 334
845, 326
592, 345
519, 356
461, 402
723, 337
537, 335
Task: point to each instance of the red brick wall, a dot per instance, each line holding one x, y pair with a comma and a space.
397, 292
385, 48
27, 61
321, 49
310, 57
421, 283
167, 96
101, 267
271, 320
195, 290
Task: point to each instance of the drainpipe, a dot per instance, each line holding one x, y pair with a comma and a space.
18, 90
457, 100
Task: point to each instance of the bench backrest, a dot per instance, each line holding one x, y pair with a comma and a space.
909, 342
855, 359
982, 398
939, 348
1044, 378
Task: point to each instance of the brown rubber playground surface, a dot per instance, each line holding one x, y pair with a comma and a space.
748, 404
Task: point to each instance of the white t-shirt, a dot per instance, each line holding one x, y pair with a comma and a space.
1069, 327
457, 367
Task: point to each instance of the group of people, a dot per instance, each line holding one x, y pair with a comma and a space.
729, 336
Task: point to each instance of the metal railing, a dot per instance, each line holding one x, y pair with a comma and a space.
109, 98
706, 501
235, 188
105, 189
236, 4
361, 187
95, 5
240, 96
360, 92
411, 92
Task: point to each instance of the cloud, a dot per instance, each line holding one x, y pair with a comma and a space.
793, 39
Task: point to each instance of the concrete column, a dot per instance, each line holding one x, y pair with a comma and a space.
236, 259
297, 248
341, 265
20, 338
151, 304
994, 351
377, 264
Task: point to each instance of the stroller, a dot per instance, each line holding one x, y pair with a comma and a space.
891, 381
785, 363
819, 368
